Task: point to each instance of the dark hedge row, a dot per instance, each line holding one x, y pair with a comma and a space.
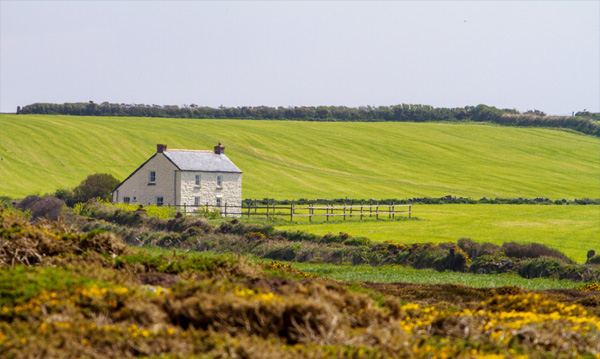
582, 122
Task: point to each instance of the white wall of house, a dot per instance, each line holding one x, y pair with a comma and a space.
138, 188
230, 191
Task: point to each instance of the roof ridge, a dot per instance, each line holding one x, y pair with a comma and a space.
184, 150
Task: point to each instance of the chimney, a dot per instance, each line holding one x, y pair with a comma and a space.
161, 148
220, 149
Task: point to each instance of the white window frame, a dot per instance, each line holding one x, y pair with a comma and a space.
197, 181
160, 201
219, 181
151, 177
219, 202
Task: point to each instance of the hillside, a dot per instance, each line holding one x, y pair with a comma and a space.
310, 160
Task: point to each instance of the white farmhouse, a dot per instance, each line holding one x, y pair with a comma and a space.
186, 178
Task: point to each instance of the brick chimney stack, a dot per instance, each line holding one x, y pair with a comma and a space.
220, 149
161, 148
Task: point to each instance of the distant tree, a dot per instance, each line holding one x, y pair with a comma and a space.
98, 185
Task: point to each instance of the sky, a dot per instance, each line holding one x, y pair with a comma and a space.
522, 55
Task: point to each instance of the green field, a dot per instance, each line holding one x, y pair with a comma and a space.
571, 229
399, 274
286, 160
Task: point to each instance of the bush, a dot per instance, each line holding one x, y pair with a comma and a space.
533, 250
497, 263
594, 260
475, 249
42, 207
357, 241
98, 185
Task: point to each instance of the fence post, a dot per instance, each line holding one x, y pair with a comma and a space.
267, 209
344, 210
393, 211
292, 211
184, 208
370, 208
409, 209
389, 211
351, 205
377, 211
361, 210
310, 210
327, 209
255, 206
225, 209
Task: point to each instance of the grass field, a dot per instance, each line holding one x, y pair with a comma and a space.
287, 160
398, 274
571, 229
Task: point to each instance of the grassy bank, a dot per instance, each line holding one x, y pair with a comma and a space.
288, 160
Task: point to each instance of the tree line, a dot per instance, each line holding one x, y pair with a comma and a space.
584, 122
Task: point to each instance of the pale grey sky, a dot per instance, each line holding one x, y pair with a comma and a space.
526, 55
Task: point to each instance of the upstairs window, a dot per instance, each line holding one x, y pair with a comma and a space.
197, 180
159, 201
219, 181
152, 177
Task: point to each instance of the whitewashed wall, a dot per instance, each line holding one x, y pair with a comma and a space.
230, 192
137, 185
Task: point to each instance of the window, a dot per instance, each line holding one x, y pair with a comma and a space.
197, 182
219, 200
196, 201
159, 201
134, 199
152, 177
126, 200
219, 181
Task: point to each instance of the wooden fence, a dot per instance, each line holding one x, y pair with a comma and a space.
327, 210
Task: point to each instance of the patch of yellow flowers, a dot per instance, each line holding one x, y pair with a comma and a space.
254, 295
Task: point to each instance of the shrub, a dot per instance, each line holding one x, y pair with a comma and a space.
475, 249
42, 207
594, 260
497, 263
98, 185
357, 241
533, 250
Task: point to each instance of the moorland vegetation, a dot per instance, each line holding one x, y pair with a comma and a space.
73, 293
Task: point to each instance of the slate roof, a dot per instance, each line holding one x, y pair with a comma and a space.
206, 161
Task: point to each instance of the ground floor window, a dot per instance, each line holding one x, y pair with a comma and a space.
219, 201
159, 201
126, 200
196, 201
